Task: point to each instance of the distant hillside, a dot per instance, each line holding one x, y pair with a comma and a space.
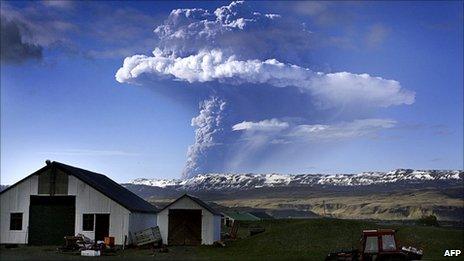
399, 194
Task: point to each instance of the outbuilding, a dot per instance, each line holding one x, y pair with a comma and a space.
60, 200
262, 215
229, 218
189, 221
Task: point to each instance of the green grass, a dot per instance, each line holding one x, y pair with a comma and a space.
313, 239
283, 240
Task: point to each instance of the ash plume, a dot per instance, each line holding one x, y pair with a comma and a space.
210, 135
261, 98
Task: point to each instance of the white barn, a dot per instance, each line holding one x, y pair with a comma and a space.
189, 221
60, 200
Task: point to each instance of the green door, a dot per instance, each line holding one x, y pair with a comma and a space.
50, 219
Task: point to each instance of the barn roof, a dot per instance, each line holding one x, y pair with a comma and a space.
103, 184
261, 215
196, 200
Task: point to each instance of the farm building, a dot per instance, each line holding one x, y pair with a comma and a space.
60, 200
189, 221
261, 215
229, 218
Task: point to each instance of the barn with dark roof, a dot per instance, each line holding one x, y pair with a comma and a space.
60, 200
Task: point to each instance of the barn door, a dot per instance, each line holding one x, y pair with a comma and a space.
102, 226
184, 227
50, 219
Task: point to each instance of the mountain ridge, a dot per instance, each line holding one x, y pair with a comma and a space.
394, 195
246, 181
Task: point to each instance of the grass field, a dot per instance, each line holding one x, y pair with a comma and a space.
313, 239
283, 240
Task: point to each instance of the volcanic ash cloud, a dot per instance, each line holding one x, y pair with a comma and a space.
258, 93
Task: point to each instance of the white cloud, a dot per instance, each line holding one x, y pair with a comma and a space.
265, 125
285, 133
333, 89
344, 130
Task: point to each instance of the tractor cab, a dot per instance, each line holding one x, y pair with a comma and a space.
378, 243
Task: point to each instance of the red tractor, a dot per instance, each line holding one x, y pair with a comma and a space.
377, 245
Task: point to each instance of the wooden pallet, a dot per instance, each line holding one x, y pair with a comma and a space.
147, 236
234, 229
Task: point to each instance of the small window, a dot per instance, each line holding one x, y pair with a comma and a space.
372, 245
16, 221
388, 243
87, 222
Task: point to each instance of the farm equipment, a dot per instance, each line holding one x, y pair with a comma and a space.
377, 245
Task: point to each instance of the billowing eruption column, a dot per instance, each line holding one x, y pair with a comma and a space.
260, 95
209, 138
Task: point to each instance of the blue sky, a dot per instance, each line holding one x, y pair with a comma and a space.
60, 99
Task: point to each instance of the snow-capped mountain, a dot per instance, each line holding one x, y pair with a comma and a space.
221, 181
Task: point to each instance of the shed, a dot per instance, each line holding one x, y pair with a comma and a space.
59, 200
240, 216
189, 221
261, 215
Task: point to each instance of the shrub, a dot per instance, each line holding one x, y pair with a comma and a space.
428, 221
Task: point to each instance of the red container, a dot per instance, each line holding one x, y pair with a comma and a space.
109, 241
